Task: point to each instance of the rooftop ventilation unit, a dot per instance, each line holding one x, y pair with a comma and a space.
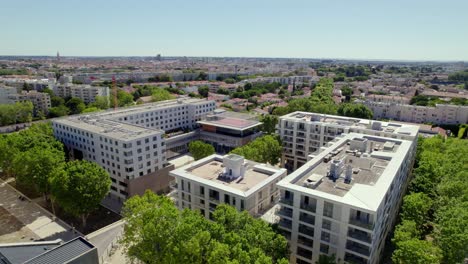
234, 166
348, 174
336, 168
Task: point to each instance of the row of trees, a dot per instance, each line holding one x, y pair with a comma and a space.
321, 101
20, 112
434, 215
38, 161
157, 232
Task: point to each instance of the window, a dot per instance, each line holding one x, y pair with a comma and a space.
328, 209
326, 224
202, 190
324, 248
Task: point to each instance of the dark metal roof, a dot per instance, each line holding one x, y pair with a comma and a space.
20, 253
63, 253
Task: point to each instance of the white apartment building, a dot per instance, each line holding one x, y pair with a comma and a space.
229, 179
303, 133
130, 143
87, 93
345, 199
10, 95
440, 114
5, 93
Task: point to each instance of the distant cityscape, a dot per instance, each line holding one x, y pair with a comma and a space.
323, 151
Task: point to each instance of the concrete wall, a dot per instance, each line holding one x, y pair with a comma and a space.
157, 182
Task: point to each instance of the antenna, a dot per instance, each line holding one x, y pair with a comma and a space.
114, 91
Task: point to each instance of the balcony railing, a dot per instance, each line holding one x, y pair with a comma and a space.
360, 250
361, 223
285, 212
307, 219
309, 207
288, 201
360, 236
308, 231
305, 241
285, 224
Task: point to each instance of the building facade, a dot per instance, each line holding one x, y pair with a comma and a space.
87, 93
130, 143
304, 133
229, 179
440, 114
344, 199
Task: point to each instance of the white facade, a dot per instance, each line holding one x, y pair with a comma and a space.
129, 142
87, 93
41, 101
5, 93
229, 179
304, 133
440, 114
349, 215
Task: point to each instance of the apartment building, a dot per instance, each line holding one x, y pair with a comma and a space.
41, 101
87, 93
228, 130
131, 143
440, 114
5, 93
229, 179
304, 133
345, 199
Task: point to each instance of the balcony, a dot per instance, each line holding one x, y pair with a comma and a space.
308, 219
309, 207
361, 223
358, 248
284, 211
305, 230
305, 242
286, 224
287, 201
360, 235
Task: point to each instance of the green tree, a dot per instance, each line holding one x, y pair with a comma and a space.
416, 208
161, 95
76, 105
416, 251
90, 109
101, 102
203, 90
355, 110
58, 111
79, 187
124, 98
405, 231
266, 149
202, 76
157, 232
269, 123
199, 149
36, 166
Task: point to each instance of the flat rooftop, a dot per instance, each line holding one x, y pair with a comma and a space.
365, 171
212, 171
109, 128
390, 127
231, 120
22, 220
366, 168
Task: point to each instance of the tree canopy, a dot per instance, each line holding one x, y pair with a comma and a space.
200, 149
434, 214
161, 95
157, 232
265, 149
355, 110
19, 112
79, 187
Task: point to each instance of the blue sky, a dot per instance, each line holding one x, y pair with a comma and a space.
361, 29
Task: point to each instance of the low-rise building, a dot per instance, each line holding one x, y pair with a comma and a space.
228, 130
229, 179
439, 114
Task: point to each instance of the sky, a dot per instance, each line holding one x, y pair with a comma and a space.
347, 29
